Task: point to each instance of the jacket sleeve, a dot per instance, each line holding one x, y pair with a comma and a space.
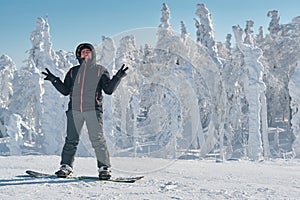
109, 85
63, 87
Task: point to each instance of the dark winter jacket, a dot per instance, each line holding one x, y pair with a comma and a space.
84, 84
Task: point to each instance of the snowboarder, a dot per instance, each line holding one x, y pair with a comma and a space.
84, 84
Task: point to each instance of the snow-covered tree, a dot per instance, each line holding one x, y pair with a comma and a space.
274, 26
255, 94
40, 103
280, 55
14, 132
7, 70
295, 106
26, 100
165, 18
249, 37
184, 33
205, 31
106, 52
260, 35
164, 29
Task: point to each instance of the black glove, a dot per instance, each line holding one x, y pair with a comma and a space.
49, 75
122, 72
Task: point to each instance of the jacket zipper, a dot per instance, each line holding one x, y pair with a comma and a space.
82, 86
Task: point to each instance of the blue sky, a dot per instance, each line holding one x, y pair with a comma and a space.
76, 21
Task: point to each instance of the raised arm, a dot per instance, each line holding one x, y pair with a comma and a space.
63, 87
109, 85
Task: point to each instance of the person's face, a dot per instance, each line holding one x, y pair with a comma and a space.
86, 54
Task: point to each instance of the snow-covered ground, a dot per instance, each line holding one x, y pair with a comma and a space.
164, 179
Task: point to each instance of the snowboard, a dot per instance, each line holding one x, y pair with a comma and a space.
36, 174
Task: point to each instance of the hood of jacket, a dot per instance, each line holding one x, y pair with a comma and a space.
82, 46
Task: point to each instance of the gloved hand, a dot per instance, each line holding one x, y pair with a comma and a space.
49, 75
122, 72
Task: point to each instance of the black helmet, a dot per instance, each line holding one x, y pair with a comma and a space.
81, 47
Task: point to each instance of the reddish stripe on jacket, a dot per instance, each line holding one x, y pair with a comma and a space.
98, 102
97, 94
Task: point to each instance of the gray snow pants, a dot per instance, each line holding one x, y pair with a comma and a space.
94, 123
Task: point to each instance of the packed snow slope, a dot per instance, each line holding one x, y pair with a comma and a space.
164, 179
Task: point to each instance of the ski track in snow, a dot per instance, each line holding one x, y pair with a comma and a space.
183, 179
